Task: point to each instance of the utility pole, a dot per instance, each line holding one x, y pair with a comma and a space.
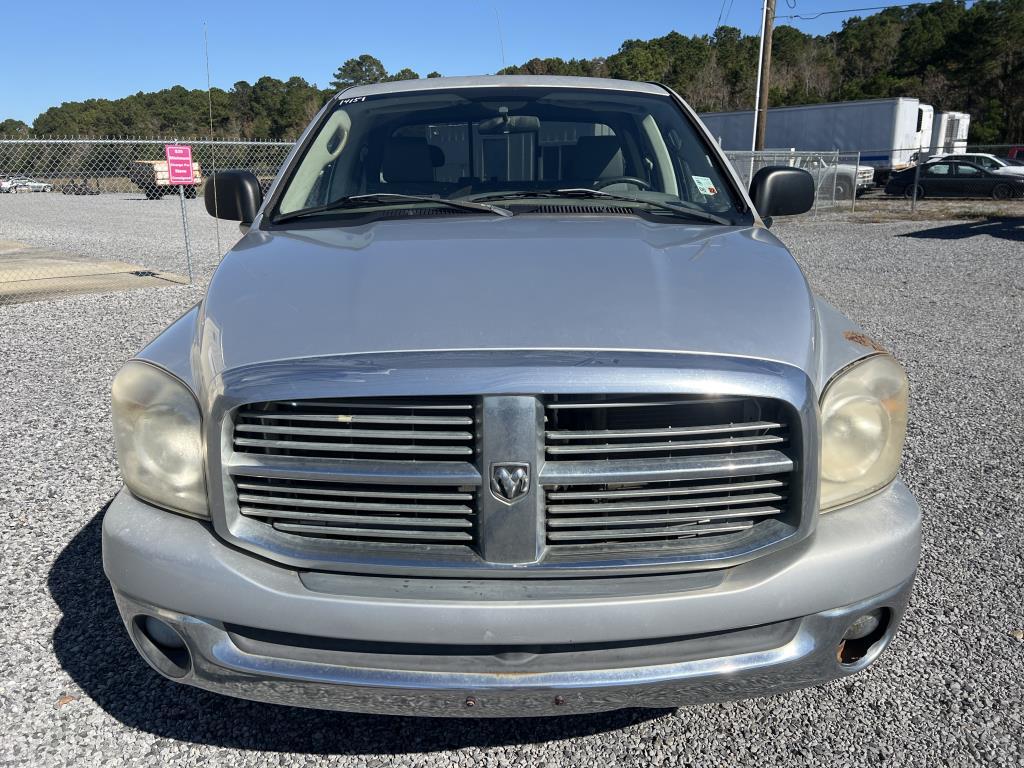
764, 73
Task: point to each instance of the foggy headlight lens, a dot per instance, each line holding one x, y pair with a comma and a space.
863, 426
158, 434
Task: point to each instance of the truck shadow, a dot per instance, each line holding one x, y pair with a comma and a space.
1002, 227
93, 648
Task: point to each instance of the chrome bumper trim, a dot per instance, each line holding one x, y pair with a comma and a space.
808, 659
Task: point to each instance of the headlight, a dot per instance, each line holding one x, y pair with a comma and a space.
863, 426
158, 434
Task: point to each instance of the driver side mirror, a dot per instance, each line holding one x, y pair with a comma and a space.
778, 190
233, 195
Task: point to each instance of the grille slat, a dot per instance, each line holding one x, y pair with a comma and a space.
671, 445
382, 434
642, 506
308, 491
309, 445
652, 474
653, 489
659, 532
423, 404
361, 418
375, 533
369, 506
639, 520
361, 521
609, 434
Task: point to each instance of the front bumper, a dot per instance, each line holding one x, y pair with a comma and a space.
859, 559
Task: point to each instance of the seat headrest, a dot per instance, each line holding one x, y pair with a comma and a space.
408, 159
596, 157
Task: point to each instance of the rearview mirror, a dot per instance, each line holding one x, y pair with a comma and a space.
233, 195
778, 190
509, 124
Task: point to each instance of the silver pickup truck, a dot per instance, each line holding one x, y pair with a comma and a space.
509, 403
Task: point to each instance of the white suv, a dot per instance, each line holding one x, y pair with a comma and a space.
989, 163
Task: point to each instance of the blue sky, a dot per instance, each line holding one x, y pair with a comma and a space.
59, 52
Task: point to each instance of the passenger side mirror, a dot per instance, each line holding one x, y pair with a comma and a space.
233, 195
778, 190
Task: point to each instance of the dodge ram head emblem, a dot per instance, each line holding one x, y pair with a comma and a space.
510, 481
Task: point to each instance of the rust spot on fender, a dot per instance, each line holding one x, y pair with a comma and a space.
864, 340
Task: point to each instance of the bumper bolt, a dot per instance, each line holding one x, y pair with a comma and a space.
559, 701
470, 702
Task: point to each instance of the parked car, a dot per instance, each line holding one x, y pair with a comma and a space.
151, 177
508, 402
81, 188
943, 178
25, 184
988, 162
845, 179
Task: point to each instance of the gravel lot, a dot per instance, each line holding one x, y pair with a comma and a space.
947, 297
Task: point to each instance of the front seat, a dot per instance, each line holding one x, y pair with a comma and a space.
594, 158
408, 166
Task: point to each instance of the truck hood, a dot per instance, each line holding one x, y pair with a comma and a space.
528, 282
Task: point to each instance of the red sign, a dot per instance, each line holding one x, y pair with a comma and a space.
179, 164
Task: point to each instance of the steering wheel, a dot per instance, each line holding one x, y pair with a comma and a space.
602, 183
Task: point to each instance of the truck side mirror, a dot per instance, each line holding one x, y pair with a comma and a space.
233, 195
778, 190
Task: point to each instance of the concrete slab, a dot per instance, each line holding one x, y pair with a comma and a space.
28, 273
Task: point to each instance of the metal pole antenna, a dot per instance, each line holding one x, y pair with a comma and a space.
213, 157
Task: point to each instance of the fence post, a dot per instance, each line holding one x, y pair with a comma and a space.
856, 178
835, 178
184, 226
917, 176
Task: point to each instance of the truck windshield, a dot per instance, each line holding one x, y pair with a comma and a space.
498, 144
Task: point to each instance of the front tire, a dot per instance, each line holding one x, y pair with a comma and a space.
843, 191
1002, 192
909, 192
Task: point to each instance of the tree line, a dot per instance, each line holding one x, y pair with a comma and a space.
949, 55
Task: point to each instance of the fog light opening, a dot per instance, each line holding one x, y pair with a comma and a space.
162, 645
862, 636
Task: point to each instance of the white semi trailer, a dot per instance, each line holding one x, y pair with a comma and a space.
889, 133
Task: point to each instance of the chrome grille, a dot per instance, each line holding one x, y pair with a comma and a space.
619, 483
653, 472
360, 512
434, 429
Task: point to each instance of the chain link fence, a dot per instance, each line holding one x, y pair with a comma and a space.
84, 215
834, 182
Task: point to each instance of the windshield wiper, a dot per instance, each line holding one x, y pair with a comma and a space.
389, 198
586, 192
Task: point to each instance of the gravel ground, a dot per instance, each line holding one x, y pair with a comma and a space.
120, 227
945, 296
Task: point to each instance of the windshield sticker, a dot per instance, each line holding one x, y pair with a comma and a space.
705, 185
353, 100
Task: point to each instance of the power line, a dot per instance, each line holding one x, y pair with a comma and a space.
727, 12
854, 10
720, 12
